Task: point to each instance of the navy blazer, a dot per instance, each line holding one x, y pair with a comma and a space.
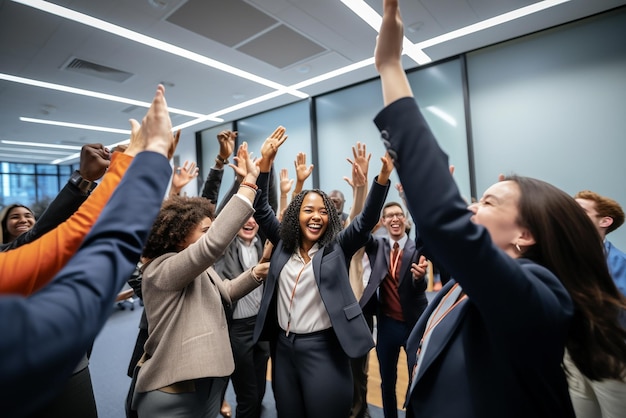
499, 353
413, 300
330, 267
43, 337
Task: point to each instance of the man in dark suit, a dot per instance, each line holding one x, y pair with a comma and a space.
249, 377
395, 295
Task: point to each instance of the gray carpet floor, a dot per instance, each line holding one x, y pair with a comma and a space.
109, 362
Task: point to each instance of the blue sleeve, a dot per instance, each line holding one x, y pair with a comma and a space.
43, 337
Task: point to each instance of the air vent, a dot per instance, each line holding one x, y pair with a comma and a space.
81, 66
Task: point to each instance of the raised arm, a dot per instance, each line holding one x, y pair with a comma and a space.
388, 54
94, 160
358, 182
302, 172
63, 319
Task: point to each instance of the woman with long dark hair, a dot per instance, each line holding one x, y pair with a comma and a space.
529, 276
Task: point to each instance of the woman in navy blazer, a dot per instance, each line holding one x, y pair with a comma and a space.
308, 311
492, 343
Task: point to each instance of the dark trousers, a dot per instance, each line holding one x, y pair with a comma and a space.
312, 376
76, 399
250, 375
360, 368
392, 335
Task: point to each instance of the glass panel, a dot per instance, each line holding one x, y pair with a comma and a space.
47, 169
210, 149
439, 93
66, 170
343, 118
18, 168
295, 118
47, 189
18, 188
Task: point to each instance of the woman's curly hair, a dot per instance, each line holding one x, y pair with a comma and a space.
177, 218
290, 232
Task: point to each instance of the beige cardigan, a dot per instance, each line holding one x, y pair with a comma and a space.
183, 296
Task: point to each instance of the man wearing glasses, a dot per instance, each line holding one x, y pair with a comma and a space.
395, 293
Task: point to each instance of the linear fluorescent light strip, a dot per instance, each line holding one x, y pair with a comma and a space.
76, 125
357, 6
494, 21
372, 18
33, 151
39, 144
82, 92
154, 43
26, 157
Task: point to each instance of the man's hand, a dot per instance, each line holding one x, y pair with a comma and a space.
94, 161
419, 269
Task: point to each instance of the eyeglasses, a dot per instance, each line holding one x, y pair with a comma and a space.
398, 215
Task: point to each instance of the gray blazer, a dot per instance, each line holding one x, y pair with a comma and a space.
183, 299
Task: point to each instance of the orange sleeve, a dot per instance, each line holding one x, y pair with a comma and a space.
28, 268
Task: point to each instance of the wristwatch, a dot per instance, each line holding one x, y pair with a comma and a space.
219, 159
85, 186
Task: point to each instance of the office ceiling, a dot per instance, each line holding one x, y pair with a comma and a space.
276, 44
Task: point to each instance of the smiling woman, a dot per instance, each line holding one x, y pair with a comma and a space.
308, 311
16, 219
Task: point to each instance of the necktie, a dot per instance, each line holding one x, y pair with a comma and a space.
394, 260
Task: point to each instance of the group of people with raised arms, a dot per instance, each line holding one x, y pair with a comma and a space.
531, 303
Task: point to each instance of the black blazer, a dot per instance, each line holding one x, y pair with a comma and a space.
330, 267
499, 353
60, 209
412, 297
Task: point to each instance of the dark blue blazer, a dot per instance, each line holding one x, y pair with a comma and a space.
43, 337
499, 353
330, 267
412, 297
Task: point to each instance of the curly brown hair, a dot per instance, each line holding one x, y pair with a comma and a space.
177, 219
290, 232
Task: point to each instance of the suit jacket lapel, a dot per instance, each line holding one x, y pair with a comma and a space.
407, 254
441, 336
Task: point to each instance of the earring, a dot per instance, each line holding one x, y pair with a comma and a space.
519, 250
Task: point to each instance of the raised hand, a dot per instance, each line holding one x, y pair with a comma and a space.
385, 169
285, 182
389, 40
246, 166
302, 170
360, 166
359, 179
226, 139
94, 161
361, 157
387, 55
270, 148
183, 175
419, 269
156, 127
